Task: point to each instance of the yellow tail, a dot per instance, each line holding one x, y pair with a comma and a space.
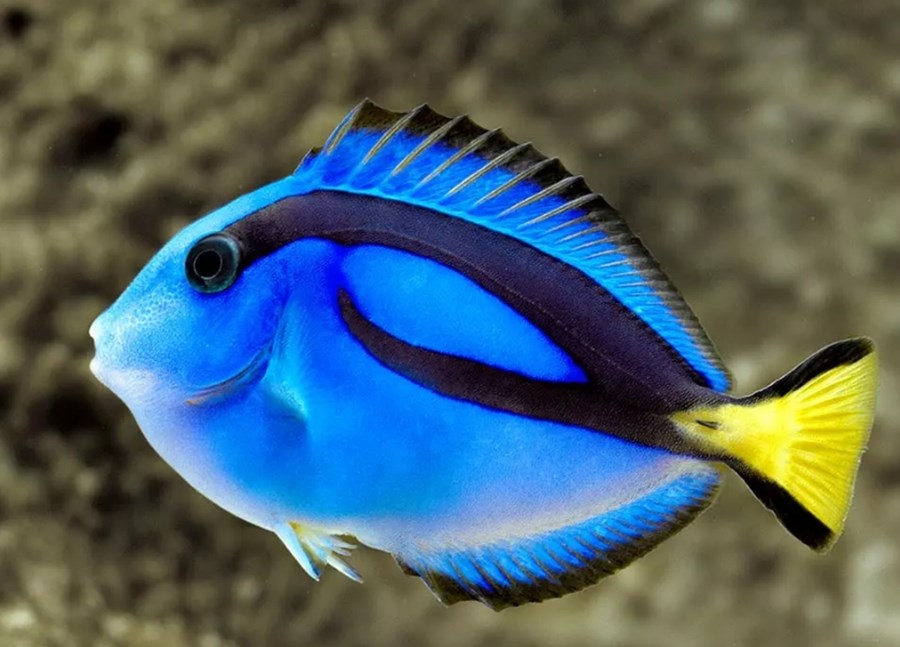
797, 443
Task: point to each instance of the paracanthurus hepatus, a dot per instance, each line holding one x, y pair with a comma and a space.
440, 343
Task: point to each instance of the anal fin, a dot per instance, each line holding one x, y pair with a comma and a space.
553, 563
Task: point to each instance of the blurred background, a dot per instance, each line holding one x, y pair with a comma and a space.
754, 146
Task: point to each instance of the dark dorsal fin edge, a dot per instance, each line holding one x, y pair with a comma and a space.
455, 166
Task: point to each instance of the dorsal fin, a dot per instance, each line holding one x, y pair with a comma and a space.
456, 167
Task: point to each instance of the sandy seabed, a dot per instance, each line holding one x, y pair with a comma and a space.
754, 147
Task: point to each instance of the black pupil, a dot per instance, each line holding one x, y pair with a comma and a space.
213, 263
208, 264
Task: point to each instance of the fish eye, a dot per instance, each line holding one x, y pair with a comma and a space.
213, 263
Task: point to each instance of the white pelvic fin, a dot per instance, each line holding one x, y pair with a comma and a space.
315, 550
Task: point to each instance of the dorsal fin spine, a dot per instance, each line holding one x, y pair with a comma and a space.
335, 138
590, 243
516, 180
389, 134
587, 231
553, 189
571, 205
497, 161
578, 220
426, 143
471, 147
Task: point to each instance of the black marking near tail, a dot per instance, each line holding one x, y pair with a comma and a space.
799, 521
840, 353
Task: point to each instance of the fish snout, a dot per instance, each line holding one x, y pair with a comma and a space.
96, 329
102, 336
114, 366
109, 357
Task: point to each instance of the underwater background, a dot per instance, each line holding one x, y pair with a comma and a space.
754, 147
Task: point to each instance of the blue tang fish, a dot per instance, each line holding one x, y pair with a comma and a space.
442, 344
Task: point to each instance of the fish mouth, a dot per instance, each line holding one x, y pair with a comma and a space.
131, 385
252, 372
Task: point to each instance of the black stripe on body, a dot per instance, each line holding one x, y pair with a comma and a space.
572, 403
625, 361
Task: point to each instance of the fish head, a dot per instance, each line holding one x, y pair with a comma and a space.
191, 328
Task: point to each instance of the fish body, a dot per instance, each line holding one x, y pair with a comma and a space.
441, 343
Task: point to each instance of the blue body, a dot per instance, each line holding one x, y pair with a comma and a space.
330, 438
265, 402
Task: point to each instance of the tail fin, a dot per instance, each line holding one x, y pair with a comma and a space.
797, 443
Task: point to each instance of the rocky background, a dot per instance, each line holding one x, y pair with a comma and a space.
753, 145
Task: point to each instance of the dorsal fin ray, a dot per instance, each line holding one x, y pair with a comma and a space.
456, 167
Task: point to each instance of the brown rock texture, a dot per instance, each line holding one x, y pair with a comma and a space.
754, 146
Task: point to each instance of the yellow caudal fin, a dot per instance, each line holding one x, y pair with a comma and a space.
797, 443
